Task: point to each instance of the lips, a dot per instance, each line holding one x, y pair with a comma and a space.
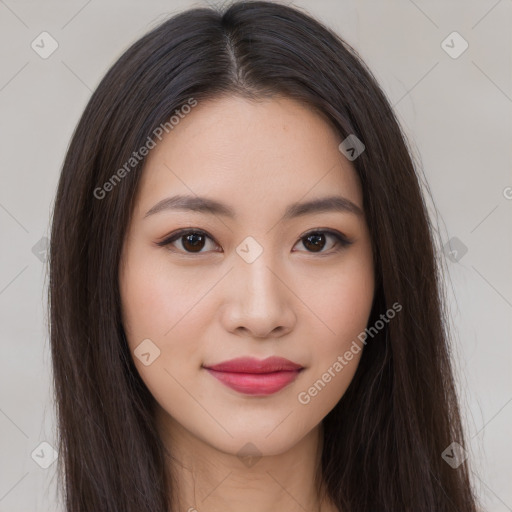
252, 365
255, 377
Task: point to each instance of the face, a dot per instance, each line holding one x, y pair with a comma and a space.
251, 275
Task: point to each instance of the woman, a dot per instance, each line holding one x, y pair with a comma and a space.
245, 307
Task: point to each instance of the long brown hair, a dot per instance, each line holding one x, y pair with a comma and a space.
383, 441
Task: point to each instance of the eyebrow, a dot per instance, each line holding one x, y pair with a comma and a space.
207, 205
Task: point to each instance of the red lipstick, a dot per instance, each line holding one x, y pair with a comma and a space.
254, 376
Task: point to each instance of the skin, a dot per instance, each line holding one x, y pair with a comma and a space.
212, 306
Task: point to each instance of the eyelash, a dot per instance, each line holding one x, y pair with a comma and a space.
341, 239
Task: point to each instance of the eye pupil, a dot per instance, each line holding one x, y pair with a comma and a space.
194, 241
317, 240
196, 244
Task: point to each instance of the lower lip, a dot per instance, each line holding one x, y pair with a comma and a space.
256, 383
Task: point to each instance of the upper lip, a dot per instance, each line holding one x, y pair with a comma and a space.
253, 365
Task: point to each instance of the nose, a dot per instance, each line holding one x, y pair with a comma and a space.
258, 301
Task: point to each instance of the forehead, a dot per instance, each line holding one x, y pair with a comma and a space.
249, 154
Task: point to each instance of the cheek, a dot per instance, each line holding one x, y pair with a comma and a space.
343, 301
343, 304
337, 353
146, 300
156, 299
160, 305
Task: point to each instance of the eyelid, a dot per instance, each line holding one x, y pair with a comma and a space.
184, 231
329, 231
341, 238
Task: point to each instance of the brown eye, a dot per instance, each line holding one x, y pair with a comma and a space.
316, 241
190, 241
193, 242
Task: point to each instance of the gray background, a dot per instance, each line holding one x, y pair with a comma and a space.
455, 111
